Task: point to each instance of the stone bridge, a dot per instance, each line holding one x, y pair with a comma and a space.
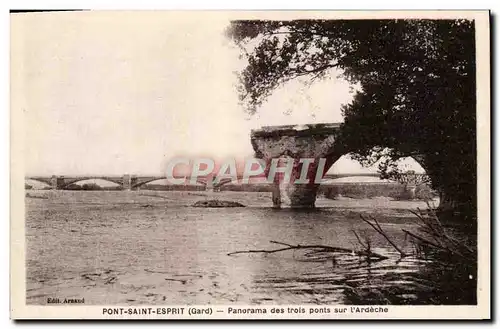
132, 182
126, 182
313, 141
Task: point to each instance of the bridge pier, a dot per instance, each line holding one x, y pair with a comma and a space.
294, 143
133, 183
56, 182
411, 189
128, 182
210, 185
288, 194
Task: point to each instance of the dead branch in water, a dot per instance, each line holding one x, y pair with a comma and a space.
433, 227
436, 237
425, 241
445, 248
322, 248
376, 226
366, 245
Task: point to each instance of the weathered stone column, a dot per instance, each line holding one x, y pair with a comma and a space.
127, 182
294, 143
300, 196
56, 182
53, 182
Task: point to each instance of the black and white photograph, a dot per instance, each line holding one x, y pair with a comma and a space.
250, 165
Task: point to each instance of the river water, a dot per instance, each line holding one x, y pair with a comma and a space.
153, 248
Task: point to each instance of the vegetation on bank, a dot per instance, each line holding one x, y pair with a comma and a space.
371, 190
448, 278
394, 190
417, 97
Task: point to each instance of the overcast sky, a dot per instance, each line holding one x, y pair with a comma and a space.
115, 93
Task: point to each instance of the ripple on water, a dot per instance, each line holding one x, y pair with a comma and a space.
109, 249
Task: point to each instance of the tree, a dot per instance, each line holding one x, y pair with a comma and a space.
91, 187
417, 96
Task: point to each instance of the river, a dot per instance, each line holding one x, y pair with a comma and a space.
145, 247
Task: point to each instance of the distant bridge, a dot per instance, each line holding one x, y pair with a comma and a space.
126, 182
131, 182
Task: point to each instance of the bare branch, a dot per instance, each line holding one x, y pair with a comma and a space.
379, 229
425, 241
365, 245
433, 226
322, 248
319, 69
282, 243
259, 251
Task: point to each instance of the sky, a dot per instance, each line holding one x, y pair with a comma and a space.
124, 92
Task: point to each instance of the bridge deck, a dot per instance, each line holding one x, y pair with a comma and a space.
296, 130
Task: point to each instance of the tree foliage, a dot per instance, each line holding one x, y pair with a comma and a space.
418, 88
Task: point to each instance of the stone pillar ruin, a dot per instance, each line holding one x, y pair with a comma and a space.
56, 182
313, 141
127, 182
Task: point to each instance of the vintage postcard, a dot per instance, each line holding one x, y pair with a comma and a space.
250, 165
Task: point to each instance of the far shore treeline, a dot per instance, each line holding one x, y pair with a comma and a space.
356, 190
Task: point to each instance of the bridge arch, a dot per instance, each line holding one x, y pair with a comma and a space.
39, 180
225, 181
69, 182
46, 182
199, 180
146, 181
316, 141
416, 168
